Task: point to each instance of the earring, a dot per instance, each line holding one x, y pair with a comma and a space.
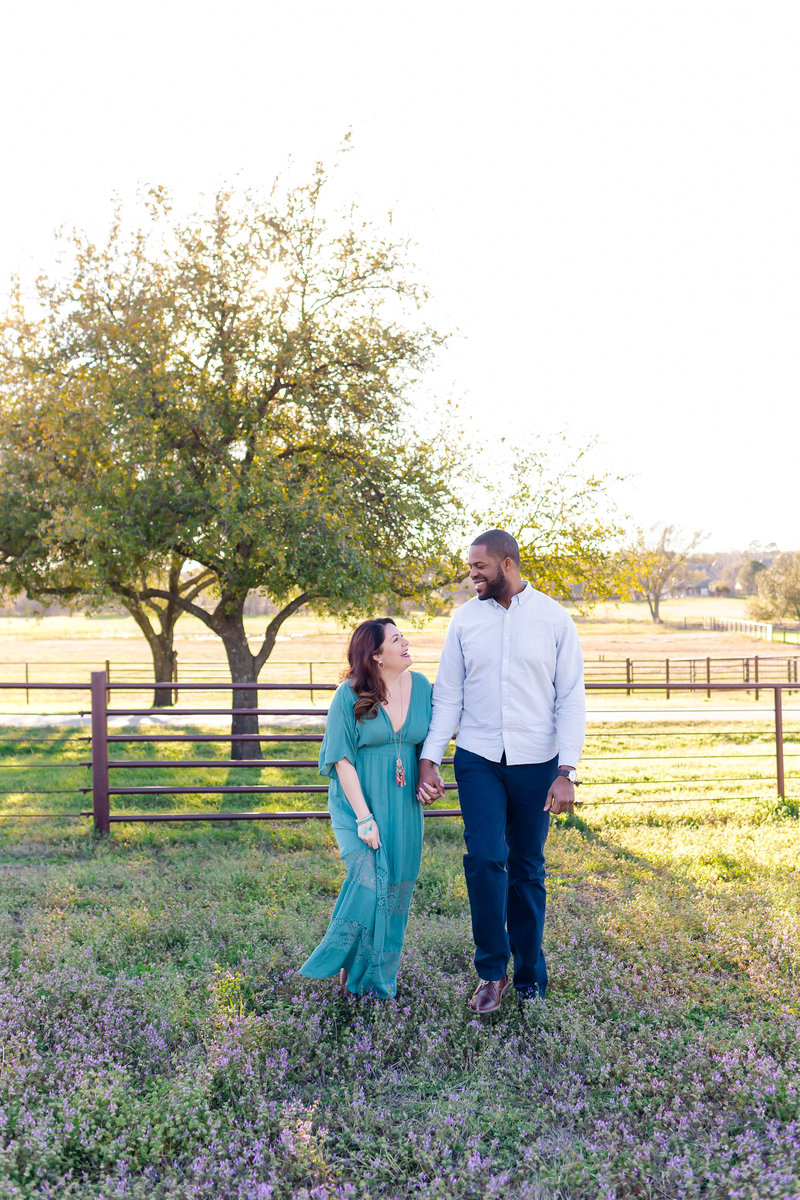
379, 662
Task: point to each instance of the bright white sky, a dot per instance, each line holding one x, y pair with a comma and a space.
605, 197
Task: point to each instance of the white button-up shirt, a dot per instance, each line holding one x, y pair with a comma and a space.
510, 680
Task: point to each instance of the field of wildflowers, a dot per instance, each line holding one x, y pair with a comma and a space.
156, 1042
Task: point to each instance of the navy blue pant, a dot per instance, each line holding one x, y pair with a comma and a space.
505, 829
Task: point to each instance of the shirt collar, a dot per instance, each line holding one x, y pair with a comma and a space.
520, 597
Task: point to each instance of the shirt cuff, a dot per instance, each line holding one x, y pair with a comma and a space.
569, 757
429, 751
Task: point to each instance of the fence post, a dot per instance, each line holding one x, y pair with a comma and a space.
755, 664
175, 675
666, 663
27, 680
779, 739
708, 678
628, 674
100, 806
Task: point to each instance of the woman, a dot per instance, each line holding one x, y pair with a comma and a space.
377, 721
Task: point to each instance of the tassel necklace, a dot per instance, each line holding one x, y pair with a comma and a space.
399, 769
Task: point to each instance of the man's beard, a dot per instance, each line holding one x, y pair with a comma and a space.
494, 587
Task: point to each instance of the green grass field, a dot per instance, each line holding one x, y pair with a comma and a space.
157, 1041
676, 762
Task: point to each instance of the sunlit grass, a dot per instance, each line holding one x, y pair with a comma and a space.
158, 1042
715, 766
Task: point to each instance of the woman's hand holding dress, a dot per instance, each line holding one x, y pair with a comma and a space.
367, 829
366, 825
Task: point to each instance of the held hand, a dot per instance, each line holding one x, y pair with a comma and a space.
430, 785
427, 793
368, 831
561, 797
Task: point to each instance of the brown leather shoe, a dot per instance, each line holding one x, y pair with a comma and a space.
487, 995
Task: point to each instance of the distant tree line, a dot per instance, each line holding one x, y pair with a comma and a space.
778, 590
663, 563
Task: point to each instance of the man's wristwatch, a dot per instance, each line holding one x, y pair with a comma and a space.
570, 774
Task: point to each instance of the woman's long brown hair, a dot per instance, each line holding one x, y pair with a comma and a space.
365, 642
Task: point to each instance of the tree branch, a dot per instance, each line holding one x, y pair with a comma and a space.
194, 610
64, 592
193, 587
271, 632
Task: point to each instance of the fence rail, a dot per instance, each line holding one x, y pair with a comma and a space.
759, 629
102, 766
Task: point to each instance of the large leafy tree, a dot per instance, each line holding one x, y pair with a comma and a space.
562, 513
44, 499
230, 390
29, 564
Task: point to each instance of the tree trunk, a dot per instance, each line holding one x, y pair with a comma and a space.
165, 661
244, 669
160, 641
227, 622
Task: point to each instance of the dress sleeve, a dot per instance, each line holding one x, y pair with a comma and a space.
340, 731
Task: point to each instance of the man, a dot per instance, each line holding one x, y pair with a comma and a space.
511, 679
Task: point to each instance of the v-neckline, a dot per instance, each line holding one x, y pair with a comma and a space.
408, 710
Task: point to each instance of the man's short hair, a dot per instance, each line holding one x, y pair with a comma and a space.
499, 544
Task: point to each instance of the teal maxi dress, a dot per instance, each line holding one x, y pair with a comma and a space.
368, 925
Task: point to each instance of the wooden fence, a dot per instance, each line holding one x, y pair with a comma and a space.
106, 734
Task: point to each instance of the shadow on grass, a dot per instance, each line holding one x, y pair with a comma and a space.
704, 946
